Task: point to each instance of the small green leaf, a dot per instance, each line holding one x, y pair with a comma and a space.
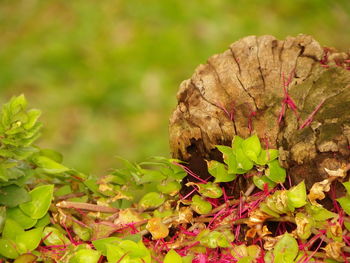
151, 200
11, 229
319, 213
219, 171
21, 218
84, 233
345, 203
13, 195
40, 203
210, 189
51, 154
44, 221
267, 156
172, 257
26, 258
275, 172
170, 188
251, 147
53, 237
236, 142
29, 240
297, 196
8, 248
100, 244
260, 181
85, 255
267, 210
200, 206
243, 161
48, 165
286, 249
214, 239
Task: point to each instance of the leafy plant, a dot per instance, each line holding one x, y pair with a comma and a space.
137, 213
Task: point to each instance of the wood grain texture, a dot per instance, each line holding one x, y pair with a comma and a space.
241, 92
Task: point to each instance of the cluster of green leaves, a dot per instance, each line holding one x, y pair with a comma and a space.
24, 212
24, 224
242, 157
137, 184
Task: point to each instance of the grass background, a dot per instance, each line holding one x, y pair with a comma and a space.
105, 72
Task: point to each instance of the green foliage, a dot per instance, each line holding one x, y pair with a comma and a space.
345, 201
286, 249
172, 257
215, 239
242, 157
129, 214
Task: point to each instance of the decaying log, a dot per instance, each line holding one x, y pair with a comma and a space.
251, 87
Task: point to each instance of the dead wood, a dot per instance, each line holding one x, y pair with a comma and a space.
244, 91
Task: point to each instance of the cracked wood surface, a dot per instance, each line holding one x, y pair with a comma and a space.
241, 91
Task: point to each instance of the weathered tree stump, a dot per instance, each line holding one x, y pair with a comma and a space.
251, 87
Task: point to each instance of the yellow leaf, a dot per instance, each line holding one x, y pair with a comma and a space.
157, 228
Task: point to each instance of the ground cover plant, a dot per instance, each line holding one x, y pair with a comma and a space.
53, 213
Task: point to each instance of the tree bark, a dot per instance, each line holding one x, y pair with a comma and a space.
250, 89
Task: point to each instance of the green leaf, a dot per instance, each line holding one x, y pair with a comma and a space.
275, 172
151, 200
319, 213
297, 196
44, 221
29, 240
51, 154
40, 203
345, 203
53, 237
133, 249
267, 156
21, 218
251, 147
260, 181
8, 248
214, 239
200, 206
286, 249
13, 195
243, 162
114, 254
170, 188
236, 142
100, 244
269, 211
33, 116
26, 258
172, 257
85, 255
219, 171
84, 233
210, 189
48, 165
11, 229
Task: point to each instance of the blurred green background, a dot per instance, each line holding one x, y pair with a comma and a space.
105, 72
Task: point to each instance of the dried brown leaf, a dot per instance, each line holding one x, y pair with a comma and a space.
157, 228
333, 250
317, 191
